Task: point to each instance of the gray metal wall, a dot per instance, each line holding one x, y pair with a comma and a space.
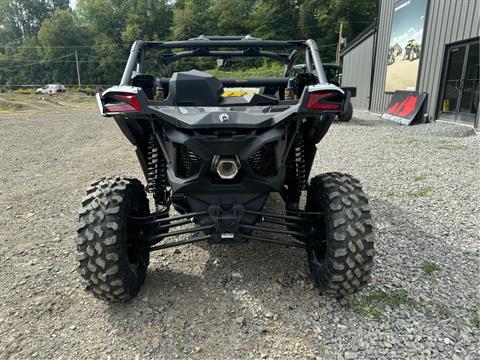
357, 71
448, 21
380, 100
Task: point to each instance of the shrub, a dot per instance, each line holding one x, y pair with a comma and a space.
83, 90
26, 91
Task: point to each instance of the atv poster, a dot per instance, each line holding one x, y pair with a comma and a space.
405, 45
406, 108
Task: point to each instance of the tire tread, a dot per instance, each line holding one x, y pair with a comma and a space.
102, 258
350, 240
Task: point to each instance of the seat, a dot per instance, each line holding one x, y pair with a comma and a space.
194, 88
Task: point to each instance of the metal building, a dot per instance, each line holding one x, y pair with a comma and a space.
427, 46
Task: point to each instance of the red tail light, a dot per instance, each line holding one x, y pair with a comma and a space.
122, 102
324, 100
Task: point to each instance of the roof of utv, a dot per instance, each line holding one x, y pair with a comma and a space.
247, 46
226, 41
223, 47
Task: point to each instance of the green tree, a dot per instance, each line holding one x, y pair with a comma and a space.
111, 59
106, 21
232, 17
102, 31
4, 37
15, 63
275, 19
191, 18
148, 20
22, 18
104, 16
59, 34
320, 19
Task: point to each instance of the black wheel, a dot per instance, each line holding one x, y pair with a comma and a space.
348, 114
340, 254
112, 256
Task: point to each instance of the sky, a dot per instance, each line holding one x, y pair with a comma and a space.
408, 21
73, 3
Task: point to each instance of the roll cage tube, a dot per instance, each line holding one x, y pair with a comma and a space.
202, 44
170, 58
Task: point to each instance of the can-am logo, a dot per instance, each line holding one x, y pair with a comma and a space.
224, 117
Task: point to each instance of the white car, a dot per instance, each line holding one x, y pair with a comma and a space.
50, 89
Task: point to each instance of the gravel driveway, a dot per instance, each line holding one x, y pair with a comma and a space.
243, 301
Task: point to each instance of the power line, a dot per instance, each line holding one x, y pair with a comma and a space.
60, 46
54, 60
37, 63
64, 61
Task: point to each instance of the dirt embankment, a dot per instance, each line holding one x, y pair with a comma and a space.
14, 103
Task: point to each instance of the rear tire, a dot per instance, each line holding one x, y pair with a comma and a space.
342, 259
112, 256
347, 115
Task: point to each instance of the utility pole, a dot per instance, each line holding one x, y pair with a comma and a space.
339, 45
78, 68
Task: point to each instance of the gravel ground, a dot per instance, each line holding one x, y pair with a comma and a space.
243, 301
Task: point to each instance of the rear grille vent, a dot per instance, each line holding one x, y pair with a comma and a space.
262, 162
188, 163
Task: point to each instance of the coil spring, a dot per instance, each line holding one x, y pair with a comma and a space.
157, 173
296, 169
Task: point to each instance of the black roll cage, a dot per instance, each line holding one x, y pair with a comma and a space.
202, 47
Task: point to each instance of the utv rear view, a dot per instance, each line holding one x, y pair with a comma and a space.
214, 149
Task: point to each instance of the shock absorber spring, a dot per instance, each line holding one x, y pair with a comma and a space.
296, 175
157, 173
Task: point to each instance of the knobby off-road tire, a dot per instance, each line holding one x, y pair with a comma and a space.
111, 255
343, 262
347, 115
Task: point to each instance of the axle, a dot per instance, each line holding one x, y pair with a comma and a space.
227, 226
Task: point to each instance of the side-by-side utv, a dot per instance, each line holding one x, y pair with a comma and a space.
215, 155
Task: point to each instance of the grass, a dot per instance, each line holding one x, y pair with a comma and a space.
375, 303
419, 177
364, 123
475, 320
443, 311
429, 267
82, 90
448, 145
274, 70
390, 194
11, 107
416, 141
26, 91
423, 192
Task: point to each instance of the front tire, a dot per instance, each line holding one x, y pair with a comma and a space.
340, 255
112, 256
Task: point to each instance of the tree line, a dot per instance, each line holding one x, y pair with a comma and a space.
40, 40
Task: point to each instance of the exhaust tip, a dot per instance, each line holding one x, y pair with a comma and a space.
227, 168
